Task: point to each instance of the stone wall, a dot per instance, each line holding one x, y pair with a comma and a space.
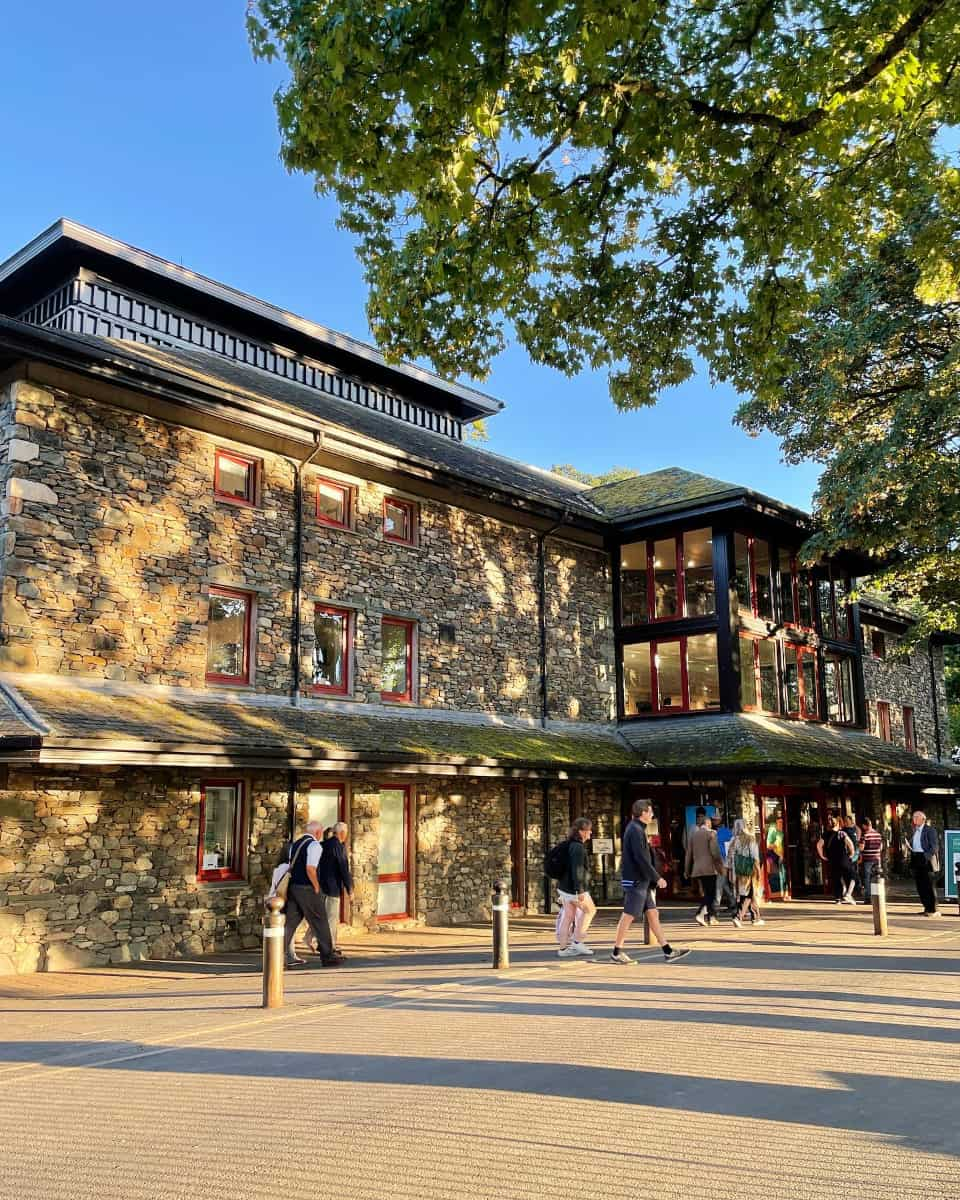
113, 538
904, 679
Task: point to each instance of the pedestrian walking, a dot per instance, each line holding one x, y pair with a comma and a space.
839, 852
703, 864
573, 888
641, 881
743, 860
725, 897
852, 830
871, 856
335, 877
305, 898
924, 862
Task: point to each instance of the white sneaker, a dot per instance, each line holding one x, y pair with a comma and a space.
700, 919
582, 948
849, 900
738, 922
568, 952
759, 921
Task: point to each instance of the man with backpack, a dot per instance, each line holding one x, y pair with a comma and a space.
641, 880
305, 900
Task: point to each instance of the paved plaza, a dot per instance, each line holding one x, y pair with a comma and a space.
804, 1059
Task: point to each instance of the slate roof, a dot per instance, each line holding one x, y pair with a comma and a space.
667, 488
98, 715
744, 740
411, 442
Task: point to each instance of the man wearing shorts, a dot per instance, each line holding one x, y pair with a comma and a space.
641, 880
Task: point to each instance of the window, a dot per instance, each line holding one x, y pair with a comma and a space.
909, 730
235, 477
220, 845
393, 861
800, 681
759, 684
228, 636
396, 659
883, 721
878, 643
751, 559
834, 607
399, 520
334, 504
796, 607
331, 649
667, 578
675, 675
838, 685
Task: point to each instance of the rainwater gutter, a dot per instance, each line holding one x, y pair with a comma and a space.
296, 622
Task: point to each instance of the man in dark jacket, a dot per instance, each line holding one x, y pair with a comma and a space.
640, 883
305, 899
334, 876
923, 844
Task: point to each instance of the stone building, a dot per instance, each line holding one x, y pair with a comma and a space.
252, 573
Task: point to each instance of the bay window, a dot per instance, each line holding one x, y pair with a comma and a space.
752, 576
800, 681
671, 675
833, 603
796, 605
664, 579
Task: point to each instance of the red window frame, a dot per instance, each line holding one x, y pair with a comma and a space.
754, 643
656, 709
409, 627
681, 579
909, 728
244, 678
347, 492
884, 731
801, 652
799, 578
328, 689
249, 499
404, 875
410, 508
840, 659
239, 838
752, 574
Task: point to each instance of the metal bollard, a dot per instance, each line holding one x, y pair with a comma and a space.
273, 924
501, 928
878, 899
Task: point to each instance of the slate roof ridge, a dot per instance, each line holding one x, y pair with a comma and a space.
22, 708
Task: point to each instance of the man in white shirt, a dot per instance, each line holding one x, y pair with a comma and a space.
923, 851
305, 900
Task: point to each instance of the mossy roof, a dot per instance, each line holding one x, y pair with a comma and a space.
731, 740
63, 711
667, 488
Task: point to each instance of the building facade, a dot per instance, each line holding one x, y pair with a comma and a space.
252, 574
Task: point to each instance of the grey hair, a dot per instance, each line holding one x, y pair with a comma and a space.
739, 826
341, 827
918, 812
313, 826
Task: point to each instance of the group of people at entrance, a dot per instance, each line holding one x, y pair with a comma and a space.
312, 873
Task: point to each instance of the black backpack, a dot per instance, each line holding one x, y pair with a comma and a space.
555, 864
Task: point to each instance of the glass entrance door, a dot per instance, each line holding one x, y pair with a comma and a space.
773, 845
804, 829
393, 870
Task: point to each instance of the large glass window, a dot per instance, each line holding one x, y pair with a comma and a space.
752, 577
393, 878
833, 603
788, 604
331, 649
671, 675
800, 681
220, 849
667, 578
838, 685
228, 636
397, 659
698, 573
759, 684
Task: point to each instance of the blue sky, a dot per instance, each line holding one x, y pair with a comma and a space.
152, 123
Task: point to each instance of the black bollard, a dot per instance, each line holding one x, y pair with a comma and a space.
878, 898
501, 928
956, 872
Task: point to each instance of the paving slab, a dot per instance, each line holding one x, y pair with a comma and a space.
802, 1059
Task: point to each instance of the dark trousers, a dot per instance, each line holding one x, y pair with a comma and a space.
923, 878
304, 904
708, 893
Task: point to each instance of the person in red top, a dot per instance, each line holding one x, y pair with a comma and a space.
871, 856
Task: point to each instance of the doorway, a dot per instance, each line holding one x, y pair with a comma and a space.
792, 821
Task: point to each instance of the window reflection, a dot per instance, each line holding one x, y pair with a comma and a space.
669, 681
633, 584
665, 578
702, 678
637, 695
698, 572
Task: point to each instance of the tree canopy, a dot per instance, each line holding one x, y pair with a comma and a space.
625, 186
870, 387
